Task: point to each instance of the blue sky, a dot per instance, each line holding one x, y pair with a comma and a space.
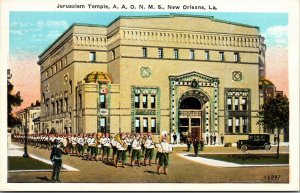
33, 31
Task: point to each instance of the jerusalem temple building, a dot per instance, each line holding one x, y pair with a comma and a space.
176, 73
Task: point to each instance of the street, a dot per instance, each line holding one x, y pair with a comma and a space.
181, 170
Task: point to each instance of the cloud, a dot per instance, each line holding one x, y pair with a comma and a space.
51, 23
35, 36
276, 36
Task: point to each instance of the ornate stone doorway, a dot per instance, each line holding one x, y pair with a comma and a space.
190, 116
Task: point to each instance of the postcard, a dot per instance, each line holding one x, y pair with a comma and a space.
147, 95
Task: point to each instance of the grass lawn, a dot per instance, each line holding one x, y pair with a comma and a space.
250, 158
20, 163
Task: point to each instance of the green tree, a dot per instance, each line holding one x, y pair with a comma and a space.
13, 100
274, 114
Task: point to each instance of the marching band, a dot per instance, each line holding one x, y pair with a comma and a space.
92, 146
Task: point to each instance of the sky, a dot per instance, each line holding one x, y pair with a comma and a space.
32, 32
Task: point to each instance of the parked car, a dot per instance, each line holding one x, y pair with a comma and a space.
255, 141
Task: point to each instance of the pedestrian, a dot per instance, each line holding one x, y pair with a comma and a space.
56, 159
222, 139
201, 144
196, 146
188, 142
207, 139
174, 138
275, 138
215, 139
211, 139
164, 155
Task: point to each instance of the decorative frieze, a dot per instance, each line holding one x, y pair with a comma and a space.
192, 38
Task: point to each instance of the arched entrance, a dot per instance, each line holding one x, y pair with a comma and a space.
191, 115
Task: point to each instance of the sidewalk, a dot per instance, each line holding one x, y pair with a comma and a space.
282, 144
218, 163
18, 151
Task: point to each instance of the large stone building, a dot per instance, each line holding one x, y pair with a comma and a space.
181, 73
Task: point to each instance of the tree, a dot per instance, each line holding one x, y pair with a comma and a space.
37, 103
13, 100
274, 114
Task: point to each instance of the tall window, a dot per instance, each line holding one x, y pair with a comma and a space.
137, 125
192, 54
66, 104
236, 57
237, 124
153, 125
113, 54
153, 101
80, 101
47, 107
137, 101
229, 125
57, 107
244, 124
145, 125
145, 101
144, 52
229, 103
236, 103
176, 54
160, 53
206, 55
244, 103
46, 74
103, 125
61, 106
221, 56
238, 111
102, 100
92, 56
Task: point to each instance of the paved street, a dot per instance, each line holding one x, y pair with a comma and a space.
180, 170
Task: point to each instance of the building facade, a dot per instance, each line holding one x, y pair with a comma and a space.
182, 73
28, 117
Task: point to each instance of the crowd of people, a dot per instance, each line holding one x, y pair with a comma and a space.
106, 148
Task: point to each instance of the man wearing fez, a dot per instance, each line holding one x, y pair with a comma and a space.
149, 145
105, 142
122, 148
166, 148
136, 150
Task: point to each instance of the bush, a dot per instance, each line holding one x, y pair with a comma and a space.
228, 145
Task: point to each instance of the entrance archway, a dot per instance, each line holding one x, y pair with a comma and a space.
191, 116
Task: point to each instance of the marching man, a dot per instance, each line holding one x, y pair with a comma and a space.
137, 150
92, 146
122, 148
149, 145
166, 148
105, 142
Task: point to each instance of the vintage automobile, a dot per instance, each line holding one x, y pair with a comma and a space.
255, 141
